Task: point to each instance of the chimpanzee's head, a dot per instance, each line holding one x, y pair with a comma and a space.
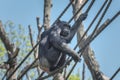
65, 28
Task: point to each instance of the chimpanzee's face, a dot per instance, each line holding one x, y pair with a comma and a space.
65, 30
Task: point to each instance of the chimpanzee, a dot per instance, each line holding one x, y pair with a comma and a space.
53, 46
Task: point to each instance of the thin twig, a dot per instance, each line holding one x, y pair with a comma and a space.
32, 43
38, 24
38, 39
30, 34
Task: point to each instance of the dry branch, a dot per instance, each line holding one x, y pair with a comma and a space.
30, 34
4, 66
5, 40
11, 50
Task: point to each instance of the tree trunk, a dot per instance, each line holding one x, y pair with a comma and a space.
47, 11
88, 54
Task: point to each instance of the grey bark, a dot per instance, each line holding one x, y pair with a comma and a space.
47, 11
88, 54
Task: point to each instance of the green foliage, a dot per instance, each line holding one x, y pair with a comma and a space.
32, 74
2, 50
74, 77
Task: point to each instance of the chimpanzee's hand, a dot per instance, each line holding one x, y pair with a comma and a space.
76, 58
83, 16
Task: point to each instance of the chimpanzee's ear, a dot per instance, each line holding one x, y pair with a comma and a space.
58, 21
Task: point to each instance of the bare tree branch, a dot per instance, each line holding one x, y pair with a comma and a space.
30, 34
5, 40
12, 51
4, 66
38, 38
38, 24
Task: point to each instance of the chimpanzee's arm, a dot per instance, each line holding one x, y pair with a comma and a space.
76, 26
61, 45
